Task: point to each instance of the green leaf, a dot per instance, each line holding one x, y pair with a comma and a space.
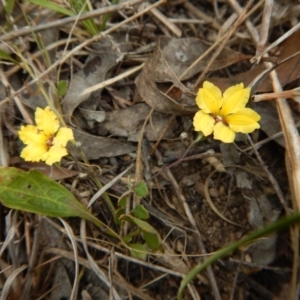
107, 16
142, 224
34, 192
128, 238
151, 236
118, 213
53, 6
9, 6
122, 202
141, 189
152, 240
140, 212
62, 88
80, 6
6, 56
141, 251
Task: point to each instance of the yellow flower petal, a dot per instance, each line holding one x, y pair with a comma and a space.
34, 152
55, 154
46, 120
223, 133
234, 98
209, 98
204, 122
62, 137
224, 115
244, 120
31, 134
46, 141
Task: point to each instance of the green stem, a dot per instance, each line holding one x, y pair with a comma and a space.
278, 225
107, 16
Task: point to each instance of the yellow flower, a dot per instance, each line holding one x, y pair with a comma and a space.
47, 140
224, 115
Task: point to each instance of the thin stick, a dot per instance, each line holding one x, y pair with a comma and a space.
270, 177
264, 32
162, 18
201, 15
111, 80
238, 22
282, 38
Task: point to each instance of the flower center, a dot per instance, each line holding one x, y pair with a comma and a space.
220, 119
49, 142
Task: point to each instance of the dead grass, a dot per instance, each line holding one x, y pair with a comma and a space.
131, 96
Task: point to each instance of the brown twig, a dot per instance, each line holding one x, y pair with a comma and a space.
271, 178
264, 31
227, 36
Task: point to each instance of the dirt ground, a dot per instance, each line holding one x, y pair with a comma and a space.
124, 77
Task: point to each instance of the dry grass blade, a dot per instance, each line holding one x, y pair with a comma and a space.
210, 202
86, 264
271, 179
94, 265
110, 81
291, 136
187, 210
157, 14
9, 237
9, 282
281, 39
108, 186
17, 100
70, 233
201, 15
264, 32
222, 43
4, 155
138, 262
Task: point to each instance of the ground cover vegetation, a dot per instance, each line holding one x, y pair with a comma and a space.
149, 149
